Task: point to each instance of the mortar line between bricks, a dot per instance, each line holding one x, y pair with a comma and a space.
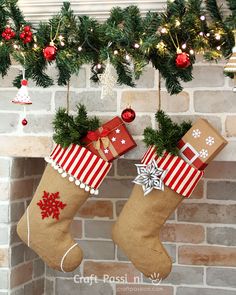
202, 244
83, 228
219, 179
191, 101
210, 202
208, 286
204, 276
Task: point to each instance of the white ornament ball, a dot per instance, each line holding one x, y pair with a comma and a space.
87, 188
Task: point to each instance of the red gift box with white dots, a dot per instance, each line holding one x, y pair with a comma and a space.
110, 141
201, 144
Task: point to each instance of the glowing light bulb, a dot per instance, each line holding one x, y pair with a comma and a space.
218, 47
80, 48
60, 37
163, 30
208, 34
35, 46
127, 57
99, 66
201, 34
62, 43
191, 51
116, 52
184, 46
202, 17
177, 23
217, 36
136, 45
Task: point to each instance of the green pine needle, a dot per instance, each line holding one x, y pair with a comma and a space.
70, 129
168, 134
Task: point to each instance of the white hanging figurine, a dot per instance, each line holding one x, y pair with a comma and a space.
108, 80
23, 98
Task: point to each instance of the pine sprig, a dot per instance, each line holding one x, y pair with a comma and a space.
70, 129
168, 134
136, 40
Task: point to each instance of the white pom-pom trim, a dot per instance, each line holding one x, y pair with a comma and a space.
92, 191
54, 164
77, 182
60, 170
47, 159
82, 185
71, 178
64, 175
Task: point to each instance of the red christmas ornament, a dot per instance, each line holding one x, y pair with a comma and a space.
24, 82
50, 52
182, 60
27, 28
26, 35
8, 34
128, 115
24, 122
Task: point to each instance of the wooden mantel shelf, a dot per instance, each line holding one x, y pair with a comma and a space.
41, 146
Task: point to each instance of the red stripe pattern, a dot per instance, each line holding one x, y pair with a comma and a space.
180, 176
81, 164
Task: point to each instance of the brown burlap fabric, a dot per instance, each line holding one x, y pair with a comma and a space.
137, 229
50, 238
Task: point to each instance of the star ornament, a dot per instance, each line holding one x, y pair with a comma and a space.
150, 177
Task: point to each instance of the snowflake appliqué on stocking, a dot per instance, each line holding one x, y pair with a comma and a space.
50, 205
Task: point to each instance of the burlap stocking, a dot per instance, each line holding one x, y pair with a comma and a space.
45, 226
138, 227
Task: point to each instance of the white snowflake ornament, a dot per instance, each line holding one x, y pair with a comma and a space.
203, 154
196, 133
108, 80
150, 177
210, 140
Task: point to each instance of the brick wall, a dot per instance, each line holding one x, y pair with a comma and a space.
21, 271
200, 236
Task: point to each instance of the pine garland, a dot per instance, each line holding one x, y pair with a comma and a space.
130, 40
168, 134
70, 129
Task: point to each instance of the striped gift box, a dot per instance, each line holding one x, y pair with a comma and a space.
180, 176
82, 166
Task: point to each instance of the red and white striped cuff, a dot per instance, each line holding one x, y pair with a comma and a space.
82, 166
180, 176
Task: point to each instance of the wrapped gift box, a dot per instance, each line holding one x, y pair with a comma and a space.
201, 144
110, 141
